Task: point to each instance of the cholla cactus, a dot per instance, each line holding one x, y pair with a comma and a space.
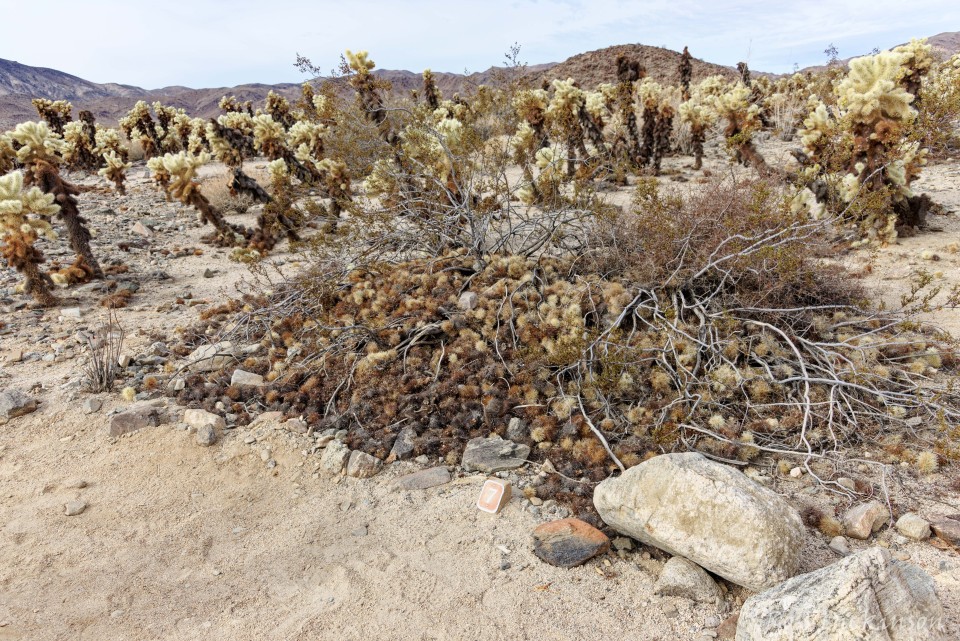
138, 125
279, 109
230, 104
55, 112
430, 92
270, 139
8, 155
40, 153
649, 93
742, 120
115, 170
685, 72
178, 172
916, 62
700, 117
531, 107
563, 116
23, 215
80, 149
628, 73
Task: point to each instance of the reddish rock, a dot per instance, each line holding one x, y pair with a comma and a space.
568, 543
728, 629
948, 529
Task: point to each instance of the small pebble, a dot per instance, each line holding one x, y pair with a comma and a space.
73, 508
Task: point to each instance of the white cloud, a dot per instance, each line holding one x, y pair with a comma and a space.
208, 43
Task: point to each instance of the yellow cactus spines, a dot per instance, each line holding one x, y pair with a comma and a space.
818, 128
37, 142
55, 112
183, 168
308, 135
360, 62
916, 62
23, 215
7, 153
109, 140
115, 169
871, 92
699, 116
278, 170
268, 135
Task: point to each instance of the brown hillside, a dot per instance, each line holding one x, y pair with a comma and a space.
595, 67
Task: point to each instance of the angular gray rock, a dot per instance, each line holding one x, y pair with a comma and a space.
201, 418
92, 405
206, 435
913, 526
683, 578
14, 403
868, 596
242, 378
361, 465
210, 358
404, 445
73, 508
334, 457
424, 479
709, 513
493, 455
139, 416
862, 520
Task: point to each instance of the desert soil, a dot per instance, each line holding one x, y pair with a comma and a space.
185, 542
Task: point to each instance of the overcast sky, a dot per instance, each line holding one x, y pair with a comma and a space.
207, 43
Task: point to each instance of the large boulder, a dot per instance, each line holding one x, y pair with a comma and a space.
706, 512
868, 596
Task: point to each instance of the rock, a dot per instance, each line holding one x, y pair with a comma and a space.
913, 526
948, 529
623, 543
176, 384
296, 426
210, 358
139, 416
206, 435
796, 472
141, 229
847, 483
516, 429
862, 520
403, 447
423, 459
728, 629
266, 417
209, 273
73, 508
361, 465
568, 543
360, 531
424, 479
709, 513
92, 405
243, 378
686, 579
201, 418
868, 596
468, 301
14, 403
839, 545
493, 455
71, 312
334, 457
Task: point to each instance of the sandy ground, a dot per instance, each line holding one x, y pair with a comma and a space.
184, 542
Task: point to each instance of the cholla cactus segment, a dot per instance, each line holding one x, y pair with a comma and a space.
360, 62
817, 127
278, 170
37, 142
108, 140
7, 153
22, 210
268, 134
55, 112
870, 90
917, 61
806, 201
182, 169
698, 115
308, 134
115, 169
